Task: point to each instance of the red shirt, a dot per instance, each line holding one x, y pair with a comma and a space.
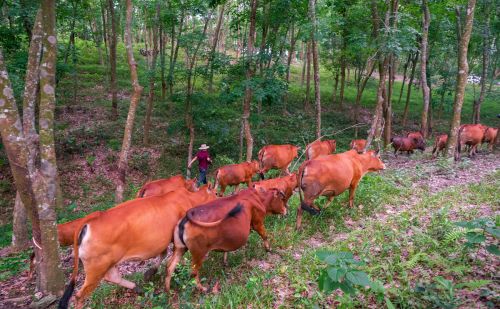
203, 158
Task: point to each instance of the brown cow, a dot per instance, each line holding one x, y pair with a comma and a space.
135, 230
277, 156
407, 144
320, 148
490, 137
223, 225
359, 145
331, 175
471, 135
416, 135
285, 184
440, 145
162, 186
234, 174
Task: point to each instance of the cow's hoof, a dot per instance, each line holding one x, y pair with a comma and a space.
148, 275
310, 210
138, 290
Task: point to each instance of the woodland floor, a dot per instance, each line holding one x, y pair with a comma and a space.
423, 179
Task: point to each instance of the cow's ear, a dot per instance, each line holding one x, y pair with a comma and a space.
282, 194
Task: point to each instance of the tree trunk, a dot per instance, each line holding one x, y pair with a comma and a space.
476, 115
104, 29
304, 63
152, 77
249, 74
134, 101
388, 104
71, 41
370, 67
424, 54
214, 46
173, 57
408, 92
163, 43
342, 81
463, 71
112, 60
307, 101
375, 128
335, 85
317, 95
20, 238
407, 63
51, 277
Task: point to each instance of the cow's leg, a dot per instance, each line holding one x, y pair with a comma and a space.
298, 222
196, 263
222, 190
236, 189
352, 192
93, 275
154, 269
287, 169
396, 152
225, 258
172, 263
330, 200
258, 226
249, 183
115, 277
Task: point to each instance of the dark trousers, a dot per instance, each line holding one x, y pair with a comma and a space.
203, 177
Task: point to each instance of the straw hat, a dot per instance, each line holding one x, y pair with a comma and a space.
203, 147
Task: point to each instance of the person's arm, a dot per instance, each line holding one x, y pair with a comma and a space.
192, 161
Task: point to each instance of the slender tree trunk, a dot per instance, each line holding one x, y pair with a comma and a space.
71, 41
408, 92
112, 59
152, 77
370, 67
163, 43
105, 36
304, 63
173, 61
134, 101
342, 81
214, 46
20, 238
463, 71
424, 54
315, 56
375, 128
307, 101
335, 85
407, 63
249, 74
476, 118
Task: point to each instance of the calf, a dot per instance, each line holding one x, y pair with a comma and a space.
440, 145
223, 225
285, 184
407, 144
277, 156
331, 175
135, 230
162, 186
471, 135
490, 137
320, 148
359, 145
234, 174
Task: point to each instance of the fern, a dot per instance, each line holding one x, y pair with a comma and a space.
473, 285
411, 263
453, 235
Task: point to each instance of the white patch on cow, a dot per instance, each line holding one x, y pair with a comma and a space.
83, 250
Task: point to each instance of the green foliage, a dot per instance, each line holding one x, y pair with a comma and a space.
13, 264
477, 232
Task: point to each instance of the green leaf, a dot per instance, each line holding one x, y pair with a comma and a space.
493, 249
473, 285
358, 278
336, 274
465, 224
493, 231
377, 287
475, 238
389, 303
347, 288
326, 284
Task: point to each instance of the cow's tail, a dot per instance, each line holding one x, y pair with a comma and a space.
70, 288
232, 213
216, 185
436, 145
303, 204
141, 192
261, 158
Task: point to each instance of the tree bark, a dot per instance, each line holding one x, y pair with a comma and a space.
249, 75
370, 67
335, 85
152, 77
112, 60
303, 57
405, 69
307, 101
463, 71
476, 114
315, 56
51, 277
214, 46
174, 55
408, 92
424, 54
342, 81
134, 101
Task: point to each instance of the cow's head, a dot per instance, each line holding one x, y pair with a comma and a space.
278, 202
191, 185
373, 162
419, 143
255, 166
